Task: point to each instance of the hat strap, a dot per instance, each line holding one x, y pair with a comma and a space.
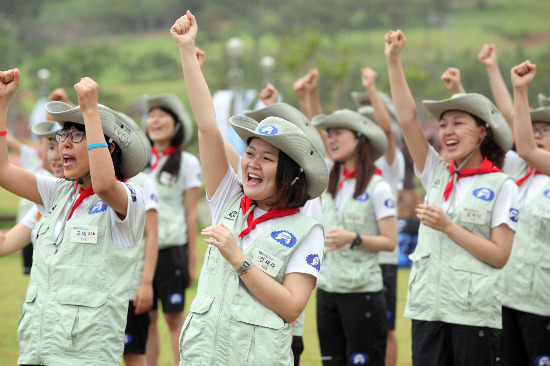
297, 177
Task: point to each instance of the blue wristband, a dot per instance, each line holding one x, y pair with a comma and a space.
97, 144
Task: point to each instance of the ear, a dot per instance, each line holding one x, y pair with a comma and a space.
111, 148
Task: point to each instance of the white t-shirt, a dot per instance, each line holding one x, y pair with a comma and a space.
506, 200
125, 233
313, 243
531, 186
393, 174
192, 168
150, 194
29, 220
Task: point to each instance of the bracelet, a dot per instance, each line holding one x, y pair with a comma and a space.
97, 144
3, 133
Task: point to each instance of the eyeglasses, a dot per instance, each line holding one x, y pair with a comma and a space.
76, 136
544, 131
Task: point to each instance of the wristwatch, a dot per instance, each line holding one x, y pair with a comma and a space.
245, 267
356, 242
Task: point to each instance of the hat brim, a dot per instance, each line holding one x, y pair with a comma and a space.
46, 129
541, 114
294, 143
173, 103
135, 147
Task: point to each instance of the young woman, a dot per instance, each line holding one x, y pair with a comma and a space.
525, 337
85, 254
360, 218
178, 178
467, 223
263, 255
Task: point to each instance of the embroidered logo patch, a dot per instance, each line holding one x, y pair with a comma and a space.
389, 203
154, 198
284, 237
268, 130
127, 338
364, 197
175, 298
231, 216
543, 360
359, 359
132, 192
314, 261
100, 206
547, 193
484, 194
514, 215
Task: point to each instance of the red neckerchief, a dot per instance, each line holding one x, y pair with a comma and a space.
378, 171
276, 212
522, 180
155, 153
351, 174
485, 167
83, 194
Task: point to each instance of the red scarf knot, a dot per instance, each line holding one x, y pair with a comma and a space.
156, 155
246, 203
83, 194
485, 168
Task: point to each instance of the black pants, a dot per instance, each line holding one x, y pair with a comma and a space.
27, 258
297, 348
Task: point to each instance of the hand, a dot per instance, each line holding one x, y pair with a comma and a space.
433, 217
311, 80
299, 87
223, 239
451, 79
269, 95
184, 31
144, 298
87, 92
201, 57
337, 238
368, 77
58, 95
488, 55
523, 74
395, 41
9, 82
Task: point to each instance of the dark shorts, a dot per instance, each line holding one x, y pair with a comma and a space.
297, 348
27, 258
352, 328
137, 328
525, 338
389, 276
439, 343
171, 279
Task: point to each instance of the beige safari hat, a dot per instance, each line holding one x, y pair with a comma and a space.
479, 106
173, 103
292, 115
287, 137
544, 101
541, 114
46, 129
346, 118
361, 97
132, 141
368, 112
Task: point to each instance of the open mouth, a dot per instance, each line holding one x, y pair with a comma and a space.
451, 143
254, 179
68, 161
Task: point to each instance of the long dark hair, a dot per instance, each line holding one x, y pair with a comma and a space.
489, 148
364, 170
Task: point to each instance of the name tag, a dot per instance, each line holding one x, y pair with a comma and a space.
267, 262
84, 234
473, 216
166, 178
354, 218
542, 211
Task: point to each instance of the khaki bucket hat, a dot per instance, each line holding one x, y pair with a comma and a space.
173, 103
346, 118
544, 101
361, 97
46, 129
287, 137
541, 114
479, 106
368, 112
135, 147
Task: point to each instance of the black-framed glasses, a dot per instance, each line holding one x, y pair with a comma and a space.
544, 131
76, 136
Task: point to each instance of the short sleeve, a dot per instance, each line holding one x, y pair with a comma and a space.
506, 209
432, 159
46, 187
307, 258
129, 231
383, 201
228, 188
192, 175
29, 220
150, 194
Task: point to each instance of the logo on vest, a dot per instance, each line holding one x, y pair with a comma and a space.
127, 338
100, 206
547, 193
175, 298
484, 194
542, 360
132, 192
363, 198
268, 130
284, 237
359, 359
314, 261
232, 215
389, 203
514, 215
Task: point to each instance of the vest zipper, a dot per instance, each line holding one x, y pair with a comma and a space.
219, 316
44, 306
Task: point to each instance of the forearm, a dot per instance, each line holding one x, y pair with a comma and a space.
313, 103
151, 247
383, 120
523, 132
502, 96
15, 239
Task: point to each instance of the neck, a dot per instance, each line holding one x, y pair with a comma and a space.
351, 163
87, 183
474, 162
161, 145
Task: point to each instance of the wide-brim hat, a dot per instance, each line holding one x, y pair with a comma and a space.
544, 101
479, 106
541, 114
46, 129
292, 115
346, 118
361, 97
368, 112
290, 139
173, 103
135, 147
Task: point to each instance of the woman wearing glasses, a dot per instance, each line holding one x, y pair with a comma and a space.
85, 253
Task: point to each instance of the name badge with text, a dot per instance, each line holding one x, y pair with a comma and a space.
84, 234
541, 211
267, 262
354, 218
473, 216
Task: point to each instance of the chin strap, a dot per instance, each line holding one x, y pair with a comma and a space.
295, 179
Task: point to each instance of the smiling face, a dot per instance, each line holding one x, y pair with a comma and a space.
541, 131
341, 143
75, 157
160, 126
459, 134
259, 171
55, 158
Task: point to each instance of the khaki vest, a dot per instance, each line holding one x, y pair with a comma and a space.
446, 282
227, 325
347, 270
76, 304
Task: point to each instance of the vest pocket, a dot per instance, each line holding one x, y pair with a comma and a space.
193, 334
541, 282
211, 260
84, 254
27, 325
418, 280
473, 287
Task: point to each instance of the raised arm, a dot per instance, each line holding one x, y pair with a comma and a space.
405, 106
312, 100
299, 87
488, 57
211, 147
13, 178
269, 95
451, 79
381, 114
